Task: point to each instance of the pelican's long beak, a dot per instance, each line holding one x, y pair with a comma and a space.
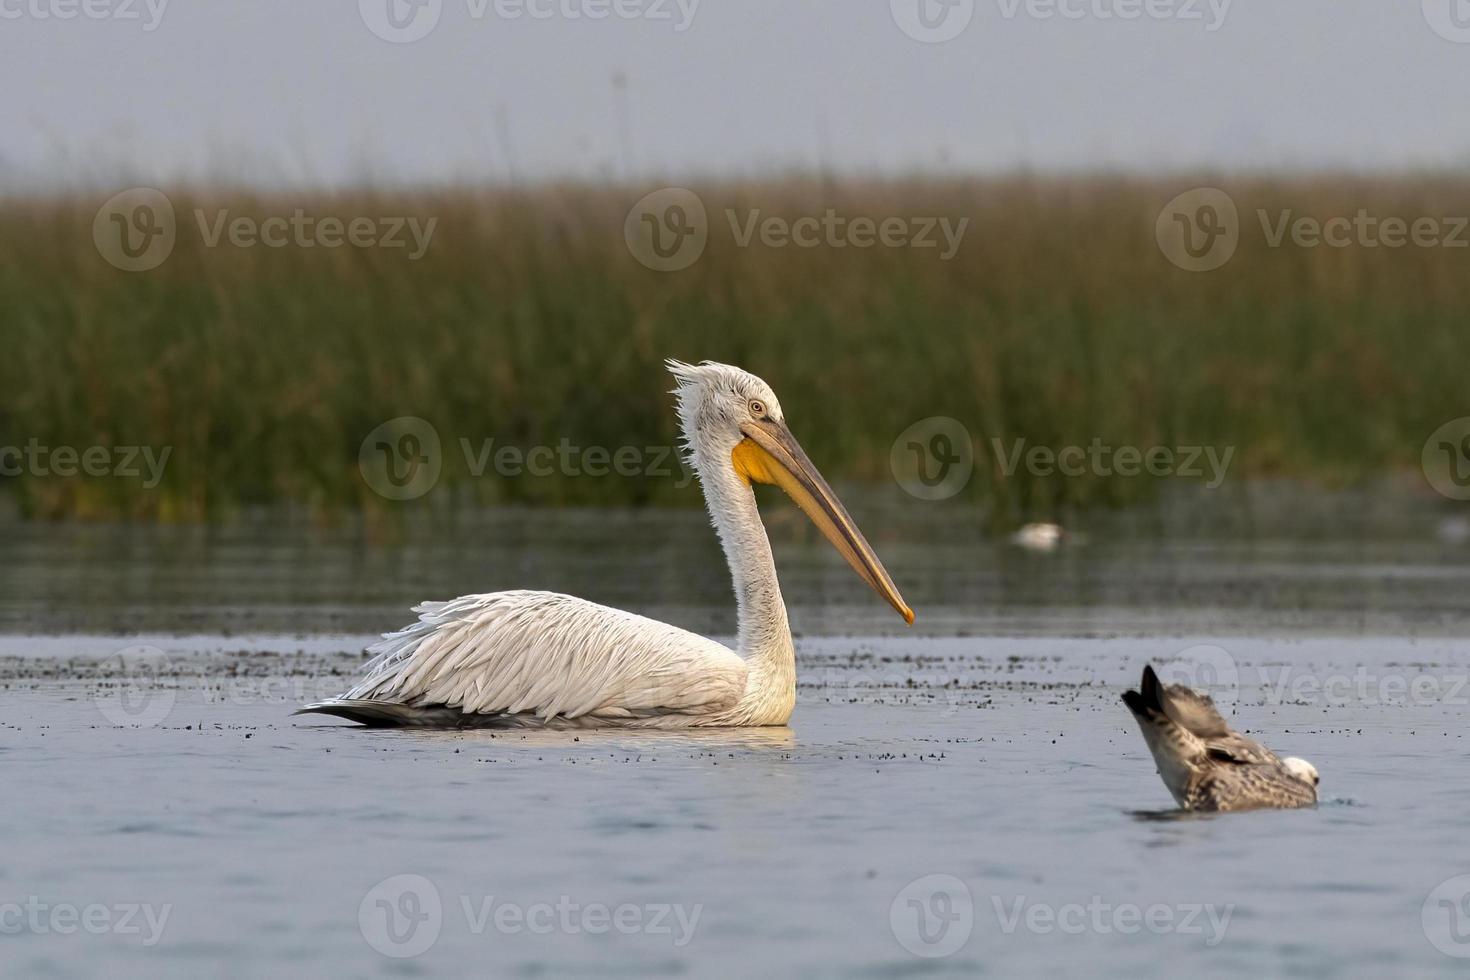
769, 453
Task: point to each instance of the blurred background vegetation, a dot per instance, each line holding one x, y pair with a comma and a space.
528, 321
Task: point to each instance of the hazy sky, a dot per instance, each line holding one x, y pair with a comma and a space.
307, 91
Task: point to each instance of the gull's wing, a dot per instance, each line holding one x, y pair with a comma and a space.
1197, 714
1248, 787
1205, 764
542, 654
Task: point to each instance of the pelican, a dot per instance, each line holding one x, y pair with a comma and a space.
542, 659
1207, 766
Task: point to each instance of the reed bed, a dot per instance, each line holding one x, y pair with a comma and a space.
527, 320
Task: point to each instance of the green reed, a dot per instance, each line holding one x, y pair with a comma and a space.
1059, 321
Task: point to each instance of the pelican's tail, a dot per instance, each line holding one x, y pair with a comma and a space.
386, 714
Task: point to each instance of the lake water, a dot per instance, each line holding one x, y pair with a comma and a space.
968, 797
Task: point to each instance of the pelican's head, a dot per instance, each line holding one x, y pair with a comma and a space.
1302, 769
731, 417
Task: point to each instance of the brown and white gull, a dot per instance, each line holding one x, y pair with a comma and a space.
1206, 765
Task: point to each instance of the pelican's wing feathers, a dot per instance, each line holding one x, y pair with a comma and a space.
548, 655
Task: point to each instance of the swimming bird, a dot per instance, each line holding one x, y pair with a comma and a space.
544, 659
1039, 537
1207, 766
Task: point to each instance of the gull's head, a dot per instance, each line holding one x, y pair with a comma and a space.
731, 419
1303, 770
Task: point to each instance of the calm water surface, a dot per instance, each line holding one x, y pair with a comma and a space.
965, 798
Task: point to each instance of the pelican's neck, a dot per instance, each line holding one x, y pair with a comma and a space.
765, 634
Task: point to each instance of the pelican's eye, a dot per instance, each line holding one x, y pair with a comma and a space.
757, 408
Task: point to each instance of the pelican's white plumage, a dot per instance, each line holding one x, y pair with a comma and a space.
551, 660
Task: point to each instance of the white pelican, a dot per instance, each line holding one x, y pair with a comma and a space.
1208, 767
549, 660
